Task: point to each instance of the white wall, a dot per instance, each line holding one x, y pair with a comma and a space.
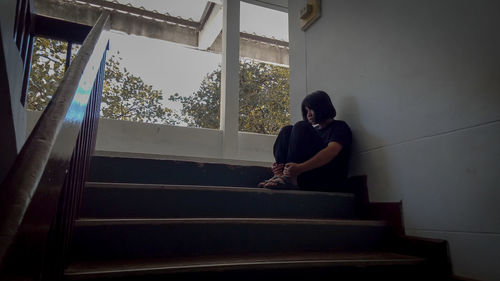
162, 140
124, 136
419, 83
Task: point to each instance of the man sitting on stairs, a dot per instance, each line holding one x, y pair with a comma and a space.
314, 153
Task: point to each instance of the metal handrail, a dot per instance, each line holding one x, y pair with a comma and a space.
42, 163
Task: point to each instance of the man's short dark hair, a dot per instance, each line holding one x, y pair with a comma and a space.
321, 104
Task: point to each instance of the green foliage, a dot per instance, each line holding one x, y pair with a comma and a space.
47, 70
127, 97
202, 109
264, 99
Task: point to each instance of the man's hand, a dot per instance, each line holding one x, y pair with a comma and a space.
292, 170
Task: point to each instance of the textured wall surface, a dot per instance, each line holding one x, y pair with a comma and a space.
419, 83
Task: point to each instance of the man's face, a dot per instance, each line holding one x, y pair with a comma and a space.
311, 117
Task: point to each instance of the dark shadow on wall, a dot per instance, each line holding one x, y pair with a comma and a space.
8, 148
365, 160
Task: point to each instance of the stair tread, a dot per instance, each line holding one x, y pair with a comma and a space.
200, 160
119, 200
238, 262
166, 221
210, 188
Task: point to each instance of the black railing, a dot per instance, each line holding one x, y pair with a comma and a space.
72, 191
40, 196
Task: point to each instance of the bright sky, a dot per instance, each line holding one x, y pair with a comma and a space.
175, 68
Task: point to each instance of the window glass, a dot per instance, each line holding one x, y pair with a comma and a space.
264, 72
47, 70
156, 81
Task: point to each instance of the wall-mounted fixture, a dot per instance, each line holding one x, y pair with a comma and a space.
310, 13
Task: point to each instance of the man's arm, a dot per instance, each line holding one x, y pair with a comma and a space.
321, 158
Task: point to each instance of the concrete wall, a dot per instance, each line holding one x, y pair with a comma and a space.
162, 140
12, 114
419, 83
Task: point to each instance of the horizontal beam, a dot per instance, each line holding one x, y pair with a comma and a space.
140, 12
262, 39
258, 49
164, 27
126, 22
60, 29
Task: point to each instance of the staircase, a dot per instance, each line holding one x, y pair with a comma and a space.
154, 219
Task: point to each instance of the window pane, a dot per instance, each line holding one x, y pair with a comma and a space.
264, 72
47, 71
156, 81
263, 21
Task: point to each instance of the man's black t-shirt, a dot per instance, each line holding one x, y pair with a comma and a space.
338, 131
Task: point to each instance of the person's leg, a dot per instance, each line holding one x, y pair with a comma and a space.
305, 142
280, 151
280, 148
319, 179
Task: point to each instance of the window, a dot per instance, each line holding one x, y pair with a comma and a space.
169, 70
170, 74
154, 81
264, 72
47, 70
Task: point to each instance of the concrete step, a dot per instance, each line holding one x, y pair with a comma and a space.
293, 266
104, 239
181, 172
125, 200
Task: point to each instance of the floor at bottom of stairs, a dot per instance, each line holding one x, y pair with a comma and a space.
291, 266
